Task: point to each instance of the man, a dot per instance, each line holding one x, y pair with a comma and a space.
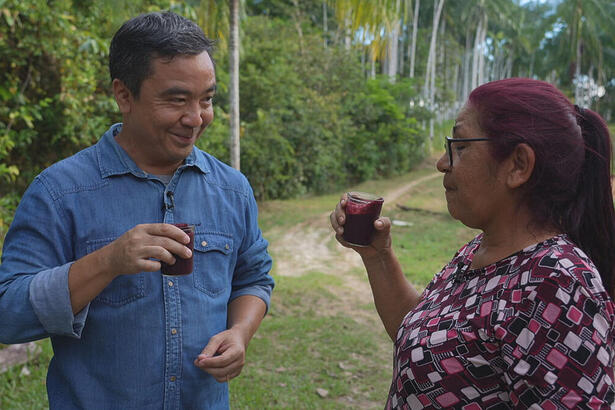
82, 258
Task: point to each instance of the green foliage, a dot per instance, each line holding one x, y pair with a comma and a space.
310, 119
52, 87
387, 141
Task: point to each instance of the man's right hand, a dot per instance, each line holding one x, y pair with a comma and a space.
143, 247
138, 250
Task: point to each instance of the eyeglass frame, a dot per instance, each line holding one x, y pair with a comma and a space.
449, 141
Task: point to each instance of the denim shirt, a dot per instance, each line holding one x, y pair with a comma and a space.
133, 346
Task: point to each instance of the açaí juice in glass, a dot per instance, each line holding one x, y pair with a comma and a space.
182, 266
362, 209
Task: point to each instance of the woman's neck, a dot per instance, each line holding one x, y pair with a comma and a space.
509, 237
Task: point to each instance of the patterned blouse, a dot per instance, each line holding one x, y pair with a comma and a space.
536, 328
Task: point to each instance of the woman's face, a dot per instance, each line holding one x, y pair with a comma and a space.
475, 190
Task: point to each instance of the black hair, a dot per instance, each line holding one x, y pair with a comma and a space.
148, 36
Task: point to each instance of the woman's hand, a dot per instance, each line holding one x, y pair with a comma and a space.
382, 236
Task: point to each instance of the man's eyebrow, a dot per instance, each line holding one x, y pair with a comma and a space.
175, 91
183, 91
455, 128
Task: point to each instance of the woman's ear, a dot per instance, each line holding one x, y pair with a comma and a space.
522, 161
123, 96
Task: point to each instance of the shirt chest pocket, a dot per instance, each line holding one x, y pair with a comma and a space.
124, 288
213, 255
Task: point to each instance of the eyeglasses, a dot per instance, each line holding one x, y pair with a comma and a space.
449, 141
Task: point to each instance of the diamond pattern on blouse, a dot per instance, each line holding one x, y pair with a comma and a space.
534, 328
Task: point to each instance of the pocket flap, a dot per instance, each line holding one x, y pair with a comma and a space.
205, 242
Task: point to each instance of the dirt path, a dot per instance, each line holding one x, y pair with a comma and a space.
311, 247
304, 247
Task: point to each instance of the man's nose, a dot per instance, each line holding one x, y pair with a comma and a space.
193, 117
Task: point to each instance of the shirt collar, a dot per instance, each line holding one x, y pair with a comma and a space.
113, 160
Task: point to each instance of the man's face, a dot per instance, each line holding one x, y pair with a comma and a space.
173, 108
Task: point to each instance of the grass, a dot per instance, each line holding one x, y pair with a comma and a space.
23, 387
312, 339
298, 350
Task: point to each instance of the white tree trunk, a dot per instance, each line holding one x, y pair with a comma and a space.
577, 75
474, 77
234, 83
429, 87
347, 37
432, 46
372, 73
466, 68
481, 55
392, 49
415, 25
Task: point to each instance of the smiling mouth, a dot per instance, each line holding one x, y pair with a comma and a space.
182, 136
186, 136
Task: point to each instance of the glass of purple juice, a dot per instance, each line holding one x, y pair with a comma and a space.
362, 209
181, 266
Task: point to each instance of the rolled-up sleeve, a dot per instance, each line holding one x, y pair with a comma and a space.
37, 254
50, 299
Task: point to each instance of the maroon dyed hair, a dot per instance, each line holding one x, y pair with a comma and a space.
570, 187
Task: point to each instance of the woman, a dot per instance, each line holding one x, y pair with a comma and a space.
522, 314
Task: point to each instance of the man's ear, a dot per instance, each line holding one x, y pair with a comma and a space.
522, 161
123, 96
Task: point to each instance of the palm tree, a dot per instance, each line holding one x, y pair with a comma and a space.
586, 23
378, 22
234, 83
415, 26
429, 89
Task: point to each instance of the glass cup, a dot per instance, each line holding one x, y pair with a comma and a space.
362, 209
182, 266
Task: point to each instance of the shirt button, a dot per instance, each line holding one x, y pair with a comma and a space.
170, 283
173, 331
226, 246
172, 378
203, 243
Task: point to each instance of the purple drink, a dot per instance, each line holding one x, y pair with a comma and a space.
181, 266
362, 210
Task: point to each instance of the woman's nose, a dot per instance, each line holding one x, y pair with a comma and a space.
443, 164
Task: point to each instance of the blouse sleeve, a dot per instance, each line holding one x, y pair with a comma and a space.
558, 345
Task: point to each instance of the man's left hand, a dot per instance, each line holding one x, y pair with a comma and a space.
224, 355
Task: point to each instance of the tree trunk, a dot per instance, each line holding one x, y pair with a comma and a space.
474, 78
347, 29
577, 74
481, 55
372, 73
466, 67
234, 83
325, 28
429, 87
415, 24
392, 49
431, 57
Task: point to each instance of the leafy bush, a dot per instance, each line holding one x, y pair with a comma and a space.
310, 119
